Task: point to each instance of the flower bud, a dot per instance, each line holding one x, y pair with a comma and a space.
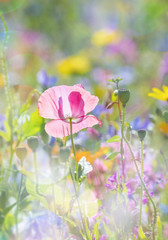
124, 95
33, 143
21, 153
141, 134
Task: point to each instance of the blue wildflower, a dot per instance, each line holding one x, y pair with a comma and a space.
45, 80
99, 109
138, 124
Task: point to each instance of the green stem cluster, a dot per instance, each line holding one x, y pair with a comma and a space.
144, 186
77, 191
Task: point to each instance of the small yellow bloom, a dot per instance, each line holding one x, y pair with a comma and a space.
158, 94
1, 80
105, 37
74, 65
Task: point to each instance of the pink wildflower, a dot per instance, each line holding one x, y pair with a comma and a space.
63, 103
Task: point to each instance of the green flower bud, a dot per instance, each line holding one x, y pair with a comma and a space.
64, 153
124, 96
141, 134
21, 153
33, 143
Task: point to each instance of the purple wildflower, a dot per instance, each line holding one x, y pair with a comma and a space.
45, 80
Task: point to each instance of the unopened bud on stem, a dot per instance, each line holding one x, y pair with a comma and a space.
124, 96
33, 143
141, 134
21, 153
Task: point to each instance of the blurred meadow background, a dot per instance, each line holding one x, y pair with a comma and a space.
60, 42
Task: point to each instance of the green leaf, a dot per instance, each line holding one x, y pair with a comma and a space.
5, 135
112, 155
51, 196
32, 126
96, 230
9, 221
115, 138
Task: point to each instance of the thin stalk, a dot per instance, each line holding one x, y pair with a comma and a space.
73, 147
142, 167
17, 207
146, 190
77, 191
36, 173
122, 119
122, 145
6, 85
80, 210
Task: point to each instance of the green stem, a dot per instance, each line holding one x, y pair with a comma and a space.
142, 167
85, 227
122, 120
36, 173
4, 68
17, 207
146, 190
122, 147
73, 147
6, 85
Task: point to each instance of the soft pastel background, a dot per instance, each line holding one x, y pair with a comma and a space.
89, 42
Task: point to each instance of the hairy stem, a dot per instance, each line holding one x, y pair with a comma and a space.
122, 119
6, 86
18, 205
36, 173
142, 166
73, 147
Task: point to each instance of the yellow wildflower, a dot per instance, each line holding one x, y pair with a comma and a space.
158, 94
1, 80
74, 65
105, 37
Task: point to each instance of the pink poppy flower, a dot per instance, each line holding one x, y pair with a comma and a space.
63, 103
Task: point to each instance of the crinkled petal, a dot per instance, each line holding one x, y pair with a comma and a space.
60, 129
48, 103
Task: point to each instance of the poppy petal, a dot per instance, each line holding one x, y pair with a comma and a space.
60, 128
76, 104
49, 101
